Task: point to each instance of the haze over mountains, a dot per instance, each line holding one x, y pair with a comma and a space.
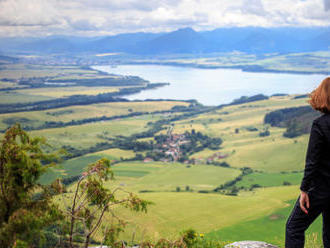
188, 41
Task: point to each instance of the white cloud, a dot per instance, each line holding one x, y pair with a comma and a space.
28, 13
96, 17
254, 7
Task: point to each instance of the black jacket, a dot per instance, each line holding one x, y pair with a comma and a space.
317, 166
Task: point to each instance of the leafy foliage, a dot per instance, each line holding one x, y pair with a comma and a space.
245, 99
91, 200
25, 206
297, 120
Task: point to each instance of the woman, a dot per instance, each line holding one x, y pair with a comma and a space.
314, 198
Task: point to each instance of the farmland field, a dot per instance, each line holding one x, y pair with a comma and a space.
86, 135
242, 188
65, 91
37, 118
174, 212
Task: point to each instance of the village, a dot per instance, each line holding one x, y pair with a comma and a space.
174, 147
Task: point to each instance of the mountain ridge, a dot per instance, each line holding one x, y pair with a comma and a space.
254, 40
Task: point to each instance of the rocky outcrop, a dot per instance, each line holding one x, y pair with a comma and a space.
250, 244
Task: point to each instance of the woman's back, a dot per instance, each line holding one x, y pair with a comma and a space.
314, 198
318, 157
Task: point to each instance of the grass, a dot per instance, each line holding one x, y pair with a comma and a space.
17, 71
116, 153
258, 214
8, 97
93, 110
270, 155
67, 91
269, 228
270, 179
169, 176
274, 153
173, 212
76, 166
4, 85
68, 168
155, 176
87, 135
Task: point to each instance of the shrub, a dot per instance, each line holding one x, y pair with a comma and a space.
23, 214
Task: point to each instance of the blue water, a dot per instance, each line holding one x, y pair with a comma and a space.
213, 86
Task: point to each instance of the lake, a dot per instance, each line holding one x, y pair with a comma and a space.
213, 86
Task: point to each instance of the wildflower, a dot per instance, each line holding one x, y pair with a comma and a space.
201, 235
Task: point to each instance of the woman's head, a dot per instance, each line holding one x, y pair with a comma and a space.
320, 97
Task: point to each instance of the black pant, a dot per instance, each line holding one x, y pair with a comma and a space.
298, 221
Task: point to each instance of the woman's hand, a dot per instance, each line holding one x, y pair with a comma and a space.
304, 201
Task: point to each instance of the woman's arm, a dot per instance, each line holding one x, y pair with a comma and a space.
315, 146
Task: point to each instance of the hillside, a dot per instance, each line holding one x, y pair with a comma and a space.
218, 169
269, 189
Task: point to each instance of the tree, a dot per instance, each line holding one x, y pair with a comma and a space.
26, 207
91, 201
264, 133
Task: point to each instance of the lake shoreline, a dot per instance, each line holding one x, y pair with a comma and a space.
244, 68
212, 86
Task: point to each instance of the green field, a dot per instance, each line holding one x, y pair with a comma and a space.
168, 176
17, 71
270, 179
274, 153
86, 135
173, 212
67, 114
183, 194
67, 91
270, 228
68, 168
8, 97
275, 159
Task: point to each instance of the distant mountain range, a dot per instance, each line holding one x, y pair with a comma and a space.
255, 40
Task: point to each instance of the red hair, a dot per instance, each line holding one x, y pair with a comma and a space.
319, 98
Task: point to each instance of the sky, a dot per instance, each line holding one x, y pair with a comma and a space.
108, 17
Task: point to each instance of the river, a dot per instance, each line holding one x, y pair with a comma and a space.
213, 86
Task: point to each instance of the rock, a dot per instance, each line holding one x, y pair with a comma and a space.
250, 244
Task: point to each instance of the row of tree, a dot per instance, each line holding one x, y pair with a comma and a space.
296, 120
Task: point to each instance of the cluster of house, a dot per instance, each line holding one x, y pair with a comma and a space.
172, 153
170, 148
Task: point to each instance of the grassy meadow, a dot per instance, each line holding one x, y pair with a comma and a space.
173, 212
183, 194
67, 114
86, 135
